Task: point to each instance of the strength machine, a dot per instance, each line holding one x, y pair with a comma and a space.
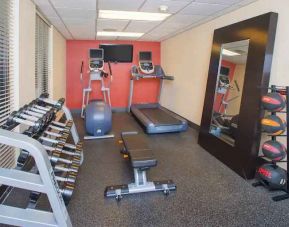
141, 159
48, 164
97, 113
153, 117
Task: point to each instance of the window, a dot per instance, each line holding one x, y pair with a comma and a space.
41, 56
7, 154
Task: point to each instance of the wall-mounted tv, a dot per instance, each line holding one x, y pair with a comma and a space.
117, 52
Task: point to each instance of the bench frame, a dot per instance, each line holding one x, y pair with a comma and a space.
140, 184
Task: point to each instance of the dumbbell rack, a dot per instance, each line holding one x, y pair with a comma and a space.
282, 91
37, 167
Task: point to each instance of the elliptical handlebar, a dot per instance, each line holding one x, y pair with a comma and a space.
81, 70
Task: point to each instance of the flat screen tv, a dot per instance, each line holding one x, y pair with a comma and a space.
117, 52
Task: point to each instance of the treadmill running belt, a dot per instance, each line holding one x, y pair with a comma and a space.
160, 117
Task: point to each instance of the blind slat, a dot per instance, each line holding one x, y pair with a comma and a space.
41, 56
7, 154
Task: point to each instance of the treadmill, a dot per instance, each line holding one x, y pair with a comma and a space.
152, 116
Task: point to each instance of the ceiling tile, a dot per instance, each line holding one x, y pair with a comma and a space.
76, 13
176, 23
118, 25
65, 33
149, 37
55, 21
131, 5
180, 19
141, 26
75, 4
246, 2
62, 29
153, 5
84, 36
78, 22
205, 9
222, 2
45, 8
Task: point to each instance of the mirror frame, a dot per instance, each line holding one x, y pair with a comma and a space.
261, 32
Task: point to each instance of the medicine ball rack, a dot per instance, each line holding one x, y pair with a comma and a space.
283, 90
47, 163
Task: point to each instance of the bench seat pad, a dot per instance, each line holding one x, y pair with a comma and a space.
141, 156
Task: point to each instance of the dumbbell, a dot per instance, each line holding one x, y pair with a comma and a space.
67, 192
60, 129
61, 142
67, 124
16, 117
70, 178
62, 150
28, 110
62, 134
54, 157
67, 168
56, 104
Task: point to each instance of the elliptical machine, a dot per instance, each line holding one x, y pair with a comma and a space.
97, 113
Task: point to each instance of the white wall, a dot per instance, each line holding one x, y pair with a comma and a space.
25, 81
57, 83
187, 55
27, 12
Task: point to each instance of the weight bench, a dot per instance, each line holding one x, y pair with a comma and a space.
141, 159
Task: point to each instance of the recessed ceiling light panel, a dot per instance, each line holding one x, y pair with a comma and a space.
229, 53
132, 15
120, 34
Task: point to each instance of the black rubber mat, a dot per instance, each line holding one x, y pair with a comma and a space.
159, 117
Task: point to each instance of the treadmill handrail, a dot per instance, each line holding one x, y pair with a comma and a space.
137, 76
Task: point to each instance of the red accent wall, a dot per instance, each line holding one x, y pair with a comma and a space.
218, 98
77, 51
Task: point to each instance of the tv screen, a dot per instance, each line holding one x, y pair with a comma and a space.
96, 53
145, 56
225, 71
117, 52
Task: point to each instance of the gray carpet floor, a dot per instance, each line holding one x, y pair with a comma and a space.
208, 193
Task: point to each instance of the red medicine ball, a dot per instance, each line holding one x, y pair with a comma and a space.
273, 102
274, 150
272, 176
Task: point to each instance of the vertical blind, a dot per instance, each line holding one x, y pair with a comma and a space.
7, 154
41, 56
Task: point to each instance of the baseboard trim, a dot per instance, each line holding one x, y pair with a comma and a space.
190, 123
193, 125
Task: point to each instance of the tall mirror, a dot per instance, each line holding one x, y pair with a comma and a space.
239, 73
229, 88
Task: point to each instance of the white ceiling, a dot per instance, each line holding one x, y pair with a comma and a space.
240, 47
77, 19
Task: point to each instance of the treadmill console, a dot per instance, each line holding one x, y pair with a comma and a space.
96, 59
145, 62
